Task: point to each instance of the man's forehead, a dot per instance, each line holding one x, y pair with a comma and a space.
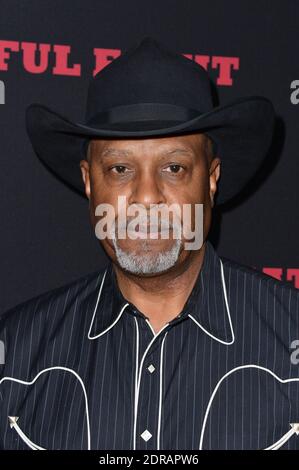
127, 146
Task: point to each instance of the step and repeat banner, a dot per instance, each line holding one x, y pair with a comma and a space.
50, 49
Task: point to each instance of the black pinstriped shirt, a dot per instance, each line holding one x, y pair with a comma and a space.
84, 369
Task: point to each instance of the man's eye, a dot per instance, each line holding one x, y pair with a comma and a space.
119, 169
174, 168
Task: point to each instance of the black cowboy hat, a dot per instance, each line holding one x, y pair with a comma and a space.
152, 91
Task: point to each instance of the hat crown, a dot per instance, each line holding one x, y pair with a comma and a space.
149, 73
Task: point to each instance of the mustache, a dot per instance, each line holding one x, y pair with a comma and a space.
146, 222
145, 225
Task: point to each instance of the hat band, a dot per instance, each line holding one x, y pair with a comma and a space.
144, 112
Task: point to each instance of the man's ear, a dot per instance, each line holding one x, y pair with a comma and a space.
214, 177
84, 165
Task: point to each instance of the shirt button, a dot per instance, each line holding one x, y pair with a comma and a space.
146, 435
151, 368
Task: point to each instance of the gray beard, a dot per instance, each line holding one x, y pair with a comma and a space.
147, 262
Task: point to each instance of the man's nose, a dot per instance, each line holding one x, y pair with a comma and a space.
147, 190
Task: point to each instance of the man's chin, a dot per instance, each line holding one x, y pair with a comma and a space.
142, 273
147, 259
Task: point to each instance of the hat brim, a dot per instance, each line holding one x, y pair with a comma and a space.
243, 130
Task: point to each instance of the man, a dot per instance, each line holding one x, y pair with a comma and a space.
169, 347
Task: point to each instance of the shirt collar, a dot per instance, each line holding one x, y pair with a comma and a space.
207, 305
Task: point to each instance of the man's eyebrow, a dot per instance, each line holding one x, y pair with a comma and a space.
178, 150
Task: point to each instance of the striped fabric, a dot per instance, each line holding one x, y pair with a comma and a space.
84, 369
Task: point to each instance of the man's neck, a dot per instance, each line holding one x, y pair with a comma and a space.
162, 297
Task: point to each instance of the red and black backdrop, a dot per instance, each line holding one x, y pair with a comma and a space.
50, 49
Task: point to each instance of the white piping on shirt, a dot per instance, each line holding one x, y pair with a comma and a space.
25, 382
136, 359
136, 383
149, 324
13, 424
228, 314
160, 392
246, 366
139, 371
94, 313
294, 430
